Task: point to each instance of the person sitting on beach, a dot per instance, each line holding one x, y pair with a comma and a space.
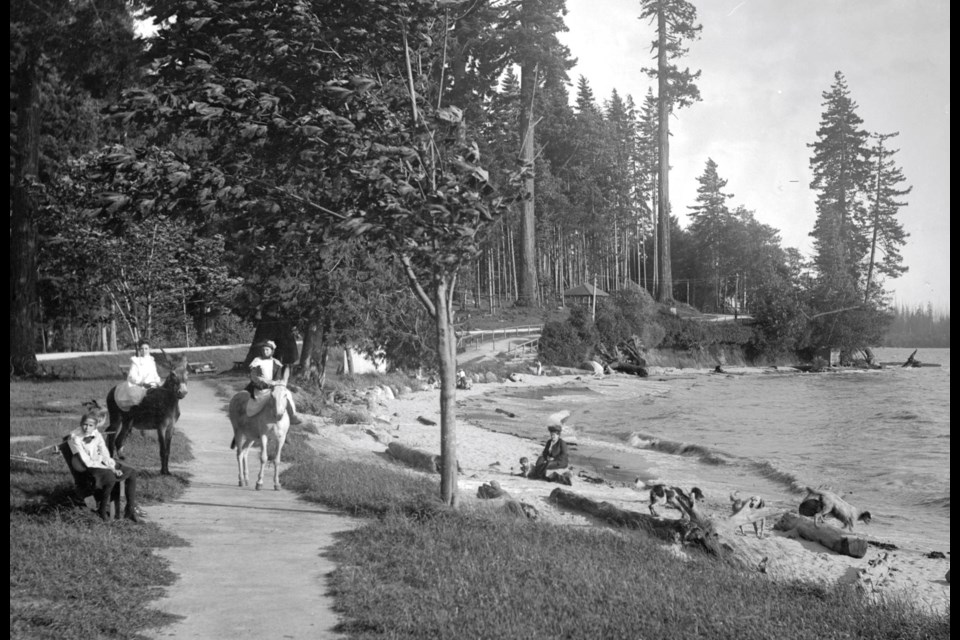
554, 455
141, 377
463, 382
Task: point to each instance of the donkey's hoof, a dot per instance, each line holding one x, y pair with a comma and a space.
259, 486
276, 488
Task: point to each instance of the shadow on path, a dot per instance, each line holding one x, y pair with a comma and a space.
254, 566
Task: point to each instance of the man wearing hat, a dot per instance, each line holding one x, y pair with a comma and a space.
554, 455
266, 372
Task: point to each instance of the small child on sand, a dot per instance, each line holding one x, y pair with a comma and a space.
524, 466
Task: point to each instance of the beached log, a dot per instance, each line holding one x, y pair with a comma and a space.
632, 369
825, 534
414, 457
506, 502
695, 529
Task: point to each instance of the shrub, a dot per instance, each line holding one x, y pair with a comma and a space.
560, 345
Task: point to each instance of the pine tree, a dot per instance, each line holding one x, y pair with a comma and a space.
841, 170
709, 221
887, 233
676, 22
540, 56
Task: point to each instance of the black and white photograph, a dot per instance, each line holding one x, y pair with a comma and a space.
483, 319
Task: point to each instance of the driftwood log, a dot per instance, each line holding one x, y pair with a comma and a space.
414, 457
825, 534
507, 503
417, 459
632, 369
694, 529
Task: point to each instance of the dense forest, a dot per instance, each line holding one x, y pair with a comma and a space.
918, 327
353, 171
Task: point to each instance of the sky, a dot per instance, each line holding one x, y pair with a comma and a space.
765, 66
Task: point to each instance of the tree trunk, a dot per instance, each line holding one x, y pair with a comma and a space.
447, 351
665, 288
23, 225
527, 275
281, 332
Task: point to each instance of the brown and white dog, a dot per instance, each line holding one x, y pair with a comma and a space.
833, 505
741, 506
662, 495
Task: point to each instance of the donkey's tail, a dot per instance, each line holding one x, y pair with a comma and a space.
233, 443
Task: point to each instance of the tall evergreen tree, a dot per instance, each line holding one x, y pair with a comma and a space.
540, 55
886, 232
676, 23
841, 171
709, 222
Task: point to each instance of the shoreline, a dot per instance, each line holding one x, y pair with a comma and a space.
497, 423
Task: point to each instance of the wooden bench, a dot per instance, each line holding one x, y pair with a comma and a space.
238, 365
198, 368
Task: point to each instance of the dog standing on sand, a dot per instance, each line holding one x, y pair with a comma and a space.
662, 495
833, 505
752, 503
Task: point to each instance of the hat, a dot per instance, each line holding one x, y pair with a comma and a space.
268, 343
554, 428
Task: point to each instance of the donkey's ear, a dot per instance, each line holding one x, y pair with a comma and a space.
164, 360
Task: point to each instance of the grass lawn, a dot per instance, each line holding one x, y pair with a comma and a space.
72, 575
419, 570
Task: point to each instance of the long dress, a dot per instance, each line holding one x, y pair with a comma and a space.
143, 372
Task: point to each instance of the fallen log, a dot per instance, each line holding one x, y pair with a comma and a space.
694, 530
631, 369
825, 534
506, 502
414, 457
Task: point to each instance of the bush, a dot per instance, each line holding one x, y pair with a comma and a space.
560, 345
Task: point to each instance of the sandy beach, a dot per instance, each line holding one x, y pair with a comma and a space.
486, 455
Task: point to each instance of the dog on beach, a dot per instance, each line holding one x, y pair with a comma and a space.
753, 503
832, 504
662, 495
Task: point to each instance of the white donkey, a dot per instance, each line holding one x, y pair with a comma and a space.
271, 423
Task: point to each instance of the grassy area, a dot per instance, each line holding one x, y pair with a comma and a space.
72, 575
419, 570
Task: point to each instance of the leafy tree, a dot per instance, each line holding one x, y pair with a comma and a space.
59, 53
143, 268
675, 23
296, 134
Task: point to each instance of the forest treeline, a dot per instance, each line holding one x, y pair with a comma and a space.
347, 170
918, 327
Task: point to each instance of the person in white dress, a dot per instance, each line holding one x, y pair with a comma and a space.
141, 377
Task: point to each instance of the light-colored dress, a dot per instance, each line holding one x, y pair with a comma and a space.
262, 372
92, 449
143, 372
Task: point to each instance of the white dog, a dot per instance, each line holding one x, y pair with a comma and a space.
753, 503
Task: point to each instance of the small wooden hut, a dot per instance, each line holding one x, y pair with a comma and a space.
583, 294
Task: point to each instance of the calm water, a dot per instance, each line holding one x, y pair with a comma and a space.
880, 438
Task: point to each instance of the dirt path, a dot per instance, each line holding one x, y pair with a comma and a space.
253, 567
